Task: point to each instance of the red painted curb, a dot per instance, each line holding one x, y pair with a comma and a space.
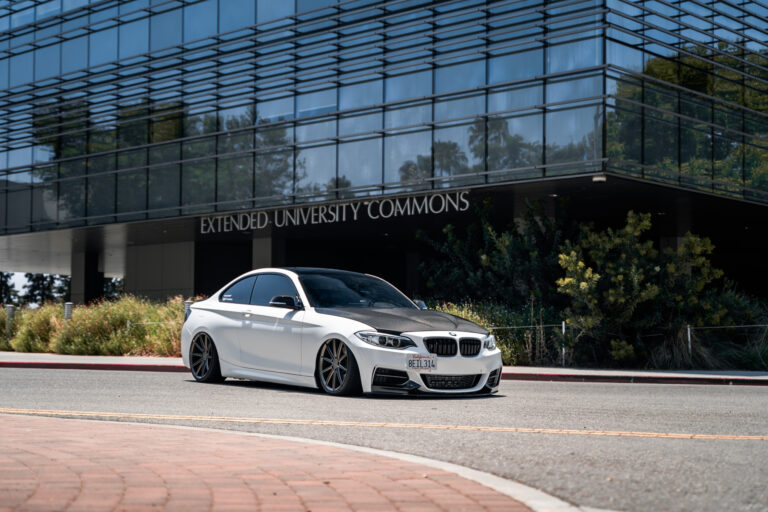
633, 379
543, 377
123, 367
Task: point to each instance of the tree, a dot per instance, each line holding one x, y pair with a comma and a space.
622, 288
512, 266
39, 288
450, 160
416, 171
8, 293
113, 287
62, 289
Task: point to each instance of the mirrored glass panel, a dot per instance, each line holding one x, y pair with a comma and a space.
408, 157
360, 165
572, 136
316, 171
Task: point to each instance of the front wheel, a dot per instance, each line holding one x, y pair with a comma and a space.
337, 371
204, 360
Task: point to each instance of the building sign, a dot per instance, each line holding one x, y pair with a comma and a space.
373, 209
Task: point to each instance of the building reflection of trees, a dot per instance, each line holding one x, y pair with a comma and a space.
651, 129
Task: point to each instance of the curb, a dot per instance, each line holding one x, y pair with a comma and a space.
542, 377
634, 379
120, 367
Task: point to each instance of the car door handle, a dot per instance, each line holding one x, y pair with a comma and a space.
247, 315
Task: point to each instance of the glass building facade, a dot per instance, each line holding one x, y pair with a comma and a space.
120, 111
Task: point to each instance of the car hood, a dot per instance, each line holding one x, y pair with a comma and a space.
396, 321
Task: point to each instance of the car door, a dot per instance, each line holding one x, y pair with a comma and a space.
273, 340
232, 319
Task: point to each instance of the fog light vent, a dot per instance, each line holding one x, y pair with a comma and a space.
389, 378
494, 378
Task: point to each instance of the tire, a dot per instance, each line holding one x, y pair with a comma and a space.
204, 360
337, 372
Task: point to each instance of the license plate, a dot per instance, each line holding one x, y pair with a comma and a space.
422, 362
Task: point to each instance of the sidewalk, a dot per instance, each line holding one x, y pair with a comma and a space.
51, 464
530, 373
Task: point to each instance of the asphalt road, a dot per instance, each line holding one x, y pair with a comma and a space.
602, 469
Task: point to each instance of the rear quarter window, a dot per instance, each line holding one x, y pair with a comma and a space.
240, 292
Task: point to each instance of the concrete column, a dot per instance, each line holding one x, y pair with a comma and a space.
87, 277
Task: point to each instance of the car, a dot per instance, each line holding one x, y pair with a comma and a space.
342, 332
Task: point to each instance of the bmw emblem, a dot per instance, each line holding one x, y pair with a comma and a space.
451, 333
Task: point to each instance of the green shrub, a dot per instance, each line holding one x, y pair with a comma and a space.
163, 337
4, 342
513, 264
630, 302
519, 346
35, 327
128, 326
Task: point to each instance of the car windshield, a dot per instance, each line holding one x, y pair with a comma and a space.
350, 290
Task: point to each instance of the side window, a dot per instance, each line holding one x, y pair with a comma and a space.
270, 285
240, 292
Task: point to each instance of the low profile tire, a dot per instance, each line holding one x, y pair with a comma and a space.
204, 360
337, 372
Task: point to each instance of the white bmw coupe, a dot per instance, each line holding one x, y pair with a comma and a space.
339, 331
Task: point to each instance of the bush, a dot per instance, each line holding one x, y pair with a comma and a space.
514, 266
5, 342
631, 303
128, 326
35, 327
539, 345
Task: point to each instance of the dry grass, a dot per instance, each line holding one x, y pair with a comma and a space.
128, 326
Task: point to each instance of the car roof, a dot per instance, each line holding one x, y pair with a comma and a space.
304, 271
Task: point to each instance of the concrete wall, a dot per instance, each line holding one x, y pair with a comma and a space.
161, 270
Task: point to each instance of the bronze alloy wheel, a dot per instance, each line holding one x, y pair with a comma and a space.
337, 369
204, 360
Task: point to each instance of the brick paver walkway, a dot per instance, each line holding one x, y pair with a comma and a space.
52, 464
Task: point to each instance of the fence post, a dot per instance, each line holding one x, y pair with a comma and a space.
67, 311
690, 352
563, 343
10, 309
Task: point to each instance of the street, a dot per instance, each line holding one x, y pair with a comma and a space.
609, 446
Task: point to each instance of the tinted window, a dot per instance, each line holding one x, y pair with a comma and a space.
271, 285
240, 292
348, 290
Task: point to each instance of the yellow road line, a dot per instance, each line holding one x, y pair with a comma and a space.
365, 424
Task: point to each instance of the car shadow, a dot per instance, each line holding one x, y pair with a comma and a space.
287, 388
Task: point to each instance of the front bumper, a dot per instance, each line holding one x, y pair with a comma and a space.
385, 371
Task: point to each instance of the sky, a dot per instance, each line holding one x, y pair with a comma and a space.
19, 281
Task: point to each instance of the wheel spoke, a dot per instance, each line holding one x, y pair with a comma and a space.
338, 374
327, 369
343, 368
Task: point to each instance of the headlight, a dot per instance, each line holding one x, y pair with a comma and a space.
385, 340
489, 342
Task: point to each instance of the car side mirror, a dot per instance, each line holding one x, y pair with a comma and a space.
420, 304
284, 301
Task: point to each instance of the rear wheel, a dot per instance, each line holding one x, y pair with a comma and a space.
204, 360
337, 371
